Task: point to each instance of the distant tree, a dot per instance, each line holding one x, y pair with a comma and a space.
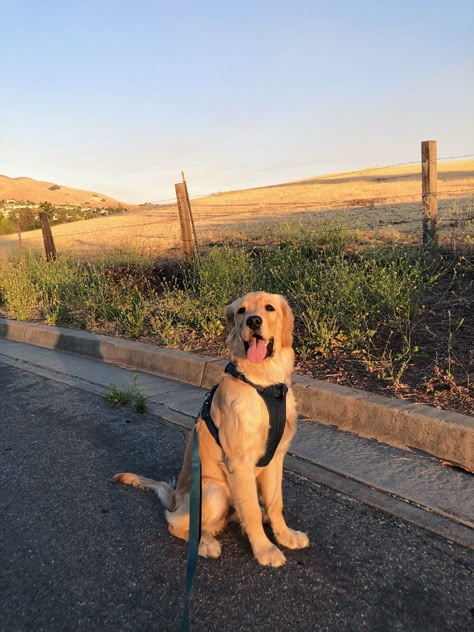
27, 218
47, 207
7, 226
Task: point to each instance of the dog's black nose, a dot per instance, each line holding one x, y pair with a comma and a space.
254, 322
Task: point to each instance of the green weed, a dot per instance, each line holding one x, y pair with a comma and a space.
221, 274
346, 298
116, 297
118, 396
18, 291
131, 394
140, 404
58, 286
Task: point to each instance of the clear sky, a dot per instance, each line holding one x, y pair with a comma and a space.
118, 96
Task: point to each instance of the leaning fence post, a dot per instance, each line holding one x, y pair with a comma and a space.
185, 219
20, 243
196, 247
429, 185
49, 247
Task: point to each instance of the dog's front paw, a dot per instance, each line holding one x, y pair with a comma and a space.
270, 556
292, 539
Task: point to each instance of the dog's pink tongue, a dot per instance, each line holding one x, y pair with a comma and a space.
257, 350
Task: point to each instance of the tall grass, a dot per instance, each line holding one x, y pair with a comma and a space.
17, 291
362, 301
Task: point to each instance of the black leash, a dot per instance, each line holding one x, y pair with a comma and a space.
194, 526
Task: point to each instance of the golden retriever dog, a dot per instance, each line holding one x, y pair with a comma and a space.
260, 343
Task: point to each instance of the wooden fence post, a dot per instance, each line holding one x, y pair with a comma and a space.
49, 247
185, 220
20, 243
196, 246
429, 185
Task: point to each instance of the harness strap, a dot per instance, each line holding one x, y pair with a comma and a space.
232, 370
274, 397
205, 414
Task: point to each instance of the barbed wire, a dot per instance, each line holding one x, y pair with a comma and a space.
457, 157
98, 230
378, 168
324, 224
361, 203
321, 205
327, 177
335, 226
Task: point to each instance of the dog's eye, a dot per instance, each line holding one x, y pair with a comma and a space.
269, 308
241, 310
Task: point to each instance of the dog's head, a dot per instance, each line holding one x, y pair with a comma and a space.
260, 324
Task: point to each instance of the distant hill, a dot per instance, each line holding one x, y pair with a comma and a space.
367, 187
23, 189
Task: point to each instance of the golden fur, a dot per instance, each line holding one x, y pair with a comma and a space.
230, 477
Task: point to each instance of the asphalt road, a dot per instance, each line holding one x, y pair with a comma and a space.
79, 553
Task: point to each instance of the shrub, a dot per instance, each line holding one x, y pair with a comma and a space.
58, 287
7, 226
220, 276
119, 299
18, 291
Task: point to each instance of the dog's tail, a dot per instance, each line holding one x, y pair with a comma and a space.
165, 492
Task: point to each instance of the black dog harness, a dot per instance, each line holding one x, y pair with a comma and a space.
274, 397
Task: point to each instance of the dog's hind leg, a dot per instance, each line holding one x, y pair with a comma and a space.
213, 516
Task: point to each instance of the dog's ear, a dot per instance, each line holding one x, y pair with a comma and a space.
230, 314
287, 325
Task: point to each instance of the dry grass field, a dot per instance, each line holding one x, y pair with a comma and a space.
383, 198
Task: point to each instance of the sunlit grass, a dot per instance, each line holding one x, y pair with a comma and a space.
127, 395
346, 294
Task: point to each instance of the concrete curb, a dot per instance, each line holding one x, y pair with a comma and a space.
444, 434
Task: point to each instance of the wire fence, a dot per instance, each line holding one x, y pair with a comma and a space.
331, 176
373, 211
172, 219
